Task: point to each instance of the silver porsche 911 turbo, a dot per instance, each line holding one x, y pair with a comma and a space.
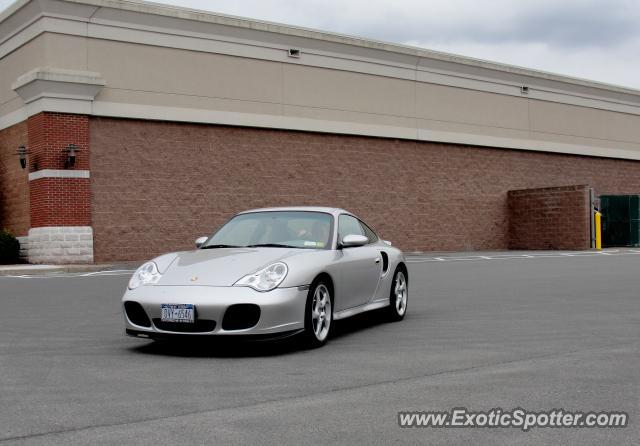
269, 273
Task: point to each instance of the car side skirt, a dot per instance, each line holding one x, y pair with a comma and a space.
361, 309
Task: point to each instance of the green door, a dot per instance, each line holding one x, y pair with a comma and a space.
620, 220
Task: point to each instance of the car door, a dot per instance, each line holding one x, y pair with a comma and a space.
360, 267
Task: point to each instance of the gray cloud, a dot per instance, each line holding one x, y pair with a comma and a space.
568, 26
566, 23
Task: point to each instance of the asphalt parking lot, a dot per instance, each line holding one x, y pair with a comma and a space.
538, 333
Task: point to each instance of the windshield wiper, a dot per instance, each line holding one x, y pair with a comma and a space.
270, 245
220, 246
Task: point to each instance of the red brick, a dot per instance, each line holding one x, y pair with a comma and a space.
49, 134
156, 186
14, 181
59, 201
550, 218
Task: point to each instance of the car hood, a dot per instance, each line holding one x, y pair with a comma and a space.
220, 266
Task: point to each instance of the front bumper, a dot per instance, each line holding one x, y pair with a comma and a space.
281, 310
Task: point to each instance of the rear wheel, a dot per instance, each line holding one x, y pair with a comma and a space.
318, 314
399, 296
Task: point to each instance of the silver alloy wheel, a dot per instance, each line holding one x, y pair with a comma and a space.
321, 312
400, 293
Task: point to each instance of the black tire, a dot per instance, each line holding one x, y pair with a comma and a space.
313, 337
396, 311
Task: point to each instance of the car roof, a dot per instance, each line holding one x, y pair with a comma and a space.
327, 210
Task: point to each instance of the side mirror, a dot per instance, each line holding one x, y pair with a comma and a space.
387, 242
200, 241
352, 240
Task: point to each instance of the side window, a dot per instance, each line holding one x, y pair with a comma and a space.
348, 225
369, 233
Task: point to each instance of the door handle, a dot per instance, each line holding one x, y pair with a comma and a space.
377, 259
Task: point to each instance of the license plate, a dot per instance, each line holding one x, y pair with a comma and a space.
178, 313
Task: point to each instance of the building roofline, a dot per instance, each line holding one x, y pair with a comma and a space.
297, 31
11, 9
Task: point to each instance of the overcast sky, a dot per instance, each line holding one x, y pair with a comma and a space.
593, 39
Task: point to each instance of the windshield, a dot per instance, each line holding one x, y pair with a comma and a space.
288, 229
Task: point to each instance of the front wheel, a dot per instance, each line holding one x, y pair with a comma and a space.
399, 296
318, 315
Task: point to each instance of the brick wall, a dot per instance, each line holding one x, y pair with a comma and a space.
156, 186
14, 183
59, 201
50, 133
550, 218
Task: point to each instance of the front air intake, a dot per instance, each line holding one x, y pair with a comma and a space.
136, 314
241, 317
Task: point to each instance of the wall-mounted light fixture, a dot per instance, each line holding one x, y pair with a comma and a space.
71, 152
22, 154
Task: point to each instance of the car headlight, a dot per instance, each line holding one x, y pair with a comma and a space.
266, 279
147, 273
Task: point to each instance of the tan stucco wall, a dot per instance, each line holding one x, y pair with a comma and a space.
14, 64
180, 78
163, 67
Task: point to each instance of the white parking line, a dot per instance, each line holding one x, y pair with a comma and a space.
115, 272
410, 259
119, 272
612, 252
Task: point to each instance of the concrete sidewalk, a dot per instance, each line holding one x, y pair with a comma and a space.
27, 269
